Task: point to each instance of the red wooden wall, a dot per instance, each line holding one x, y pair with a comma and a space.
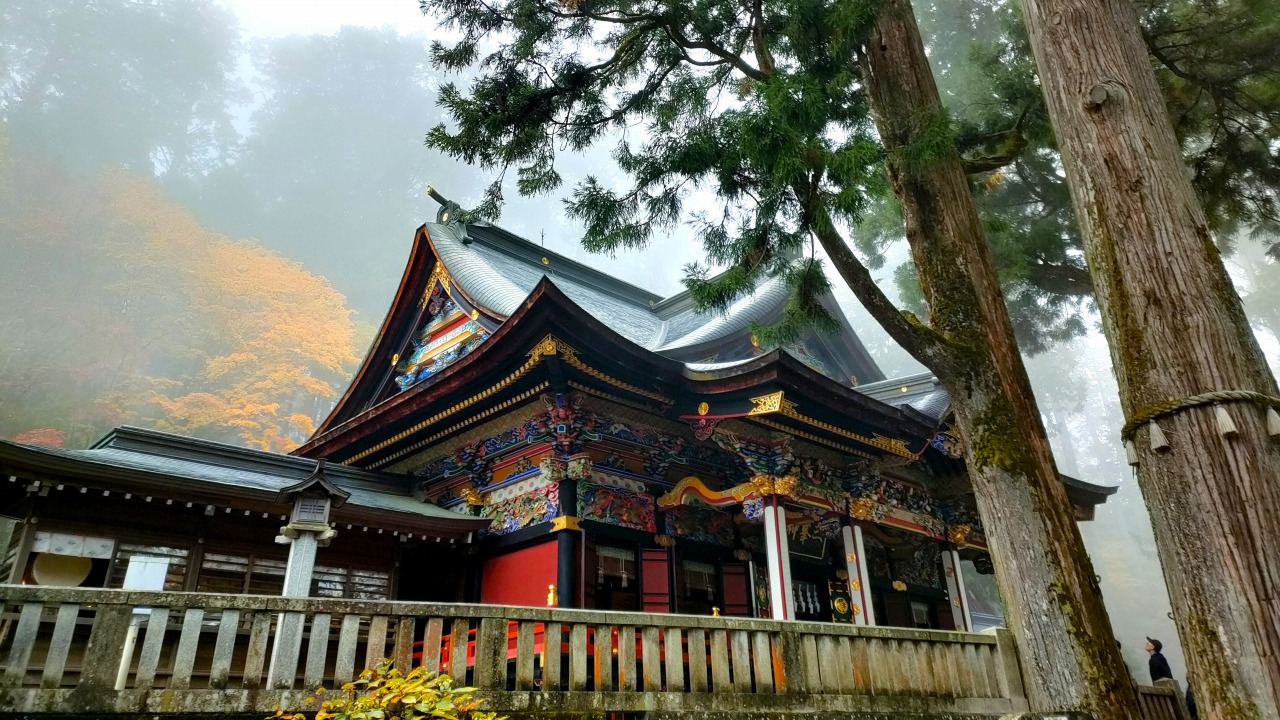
520, 577
655, 580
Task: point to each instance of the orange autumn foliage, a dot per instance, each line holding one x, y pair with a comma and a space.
122, 308
46, 436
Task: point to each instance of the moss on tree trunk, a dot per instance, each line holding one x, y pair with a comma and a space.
1068, 653
1176, 328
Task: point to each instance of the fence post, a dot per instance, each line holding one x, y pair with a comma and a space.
106, 642
1007, 664
491, 654
791, 672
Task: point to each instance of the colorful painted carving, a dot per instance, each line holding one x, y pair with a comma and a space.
665, 451
615, 506
764, 458
762, 595
692, 489
807, 482
923, 567
447, 336
878, 567
704, 428
950, 444
700, 525
538, 504
824, 527
567, 426
612, 461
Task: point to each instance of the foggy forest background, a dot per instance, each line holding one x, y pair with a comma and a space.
205, 209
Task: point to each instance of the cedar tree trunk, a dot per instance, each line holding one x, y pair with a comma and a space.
1069, 657
1176, 329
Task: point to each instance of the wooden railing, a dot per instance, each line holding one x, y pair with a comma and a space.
73, 650
1162, 701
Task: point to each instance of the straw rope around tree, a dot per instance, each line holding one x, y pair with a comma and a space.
1226, 427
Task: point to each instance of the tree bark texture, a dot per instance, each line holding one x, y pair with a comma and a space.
1176, 328
1068, 652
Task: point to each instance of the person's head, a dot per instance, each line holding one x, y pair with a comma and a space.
1154, 646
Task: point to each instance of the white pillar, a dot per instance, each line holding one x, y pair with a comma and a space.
302, 564
781, 603
859, 580
286, 651
955, 590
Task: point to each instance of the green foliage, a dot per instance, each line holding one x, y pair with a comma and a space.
1223, 98
384, 693
751, 116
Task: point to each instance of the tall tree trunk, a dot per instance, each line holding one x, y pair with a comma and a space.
1176, 329
1068, 653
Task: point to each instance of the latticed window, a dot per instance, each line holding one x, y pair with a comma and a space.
348, 582
241, 574
147, 564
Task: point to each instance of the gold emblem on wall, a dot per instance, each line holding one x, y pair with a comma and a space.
766, 403
566, 522
703, 408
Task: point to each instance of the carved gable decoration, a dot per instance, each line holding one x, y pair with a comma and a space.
448, 335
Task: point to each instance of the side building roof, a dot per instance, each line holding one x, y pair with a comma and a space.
201, 471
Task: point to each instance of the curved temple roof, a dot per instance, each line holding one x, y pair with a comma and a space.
494, 271
497, 277
498, 270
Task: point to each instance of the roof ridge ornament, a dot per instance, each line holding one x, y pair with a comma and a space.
450, 214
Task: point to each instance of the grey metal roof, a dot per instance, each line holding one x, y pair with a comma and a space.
921, 392
498, 271
705, 327
233, 468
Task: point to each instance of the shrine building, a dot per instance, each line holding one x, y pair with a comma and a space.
526, 430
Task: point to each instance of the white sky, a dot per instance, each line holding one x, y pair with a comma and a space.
274, 18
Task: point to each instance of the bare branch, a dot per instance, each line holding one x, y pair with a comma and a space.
923, 343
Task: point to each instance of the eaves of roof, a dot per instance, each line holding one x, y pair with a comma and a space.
171, 465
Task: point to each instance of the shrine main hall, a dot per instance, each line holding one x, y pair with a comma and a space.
526, 430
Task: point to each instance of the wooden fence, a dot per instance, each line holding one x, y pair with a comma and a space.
1163, 701
99, 651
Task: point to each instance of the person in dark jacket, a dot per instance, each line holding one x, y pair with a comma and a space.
1158, 665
